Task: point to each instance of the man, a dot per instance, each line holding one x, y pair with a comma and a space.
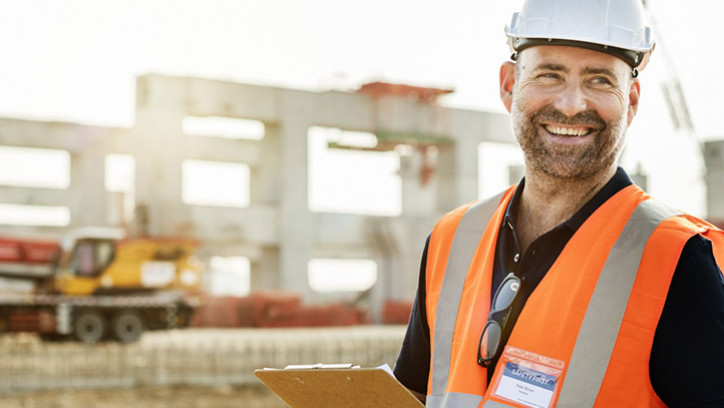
573, 288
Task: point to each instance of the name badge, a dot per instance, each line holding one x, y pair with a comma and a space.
527, 379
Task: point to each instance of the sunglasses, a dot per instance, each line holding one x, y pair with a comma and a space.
489, 344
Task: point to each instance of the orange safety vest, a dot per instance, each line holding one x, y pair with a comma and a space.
595, 311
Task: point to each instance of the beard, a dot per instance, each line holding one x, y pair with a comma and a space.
579, 161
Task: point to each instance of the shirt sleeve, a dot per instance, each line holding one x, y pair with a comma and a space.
687, 356
413, 362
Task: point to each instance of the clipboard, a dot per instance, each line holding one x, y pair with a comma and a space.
337, 386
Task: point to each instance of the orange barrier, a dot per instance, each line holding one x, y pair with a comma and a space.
274, 309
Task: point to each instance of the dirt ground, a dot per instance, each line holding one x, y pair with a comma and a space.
241, 396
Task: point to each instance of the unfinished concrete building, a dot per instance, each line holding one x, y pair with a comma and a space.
275, 230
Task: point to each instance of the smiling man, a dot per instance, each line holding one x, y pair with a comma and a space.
573, 288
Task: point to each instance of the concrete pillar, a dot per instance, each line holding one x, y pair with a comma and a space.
384, 241
266, 176
446, 198
467, 167
265, 270
457, 167
421, 207
418, 199
159, 155
87, 183
296, 227
714, 160
266, 189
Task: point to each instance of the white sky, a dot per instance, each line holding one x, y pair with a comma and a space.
76, 60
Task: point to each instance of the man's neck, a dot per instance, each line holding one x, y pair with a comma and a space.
548, 201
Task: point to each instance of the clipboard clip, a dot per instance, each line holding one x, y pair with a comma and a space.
320, 366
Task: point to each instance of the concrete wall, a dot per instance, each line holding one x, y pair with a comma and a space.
277, 231
186, 357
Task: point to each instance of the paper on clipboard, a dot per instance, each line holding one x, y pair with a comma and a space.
336, 386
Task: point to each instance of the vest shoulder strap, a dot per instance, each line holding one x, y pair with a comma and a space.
465, 241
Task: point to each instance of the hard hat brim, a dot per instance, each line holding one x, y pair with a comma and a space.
632, 57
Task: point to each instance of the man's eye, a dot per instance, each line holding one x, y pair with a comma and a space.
549, 75
601, 81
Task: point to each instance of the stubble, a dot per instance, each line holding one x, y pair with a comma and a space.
568, 161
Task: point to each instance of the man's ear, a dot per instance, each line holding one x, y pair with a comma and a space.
507, 83
633, 99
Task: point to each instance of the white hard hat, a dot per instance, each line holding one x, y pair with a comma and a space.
612, 26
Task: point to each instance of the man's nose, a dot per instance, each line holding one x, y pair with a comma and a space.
572, 100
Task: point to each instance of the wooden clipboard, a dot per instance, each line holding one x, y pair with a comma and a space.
337, 387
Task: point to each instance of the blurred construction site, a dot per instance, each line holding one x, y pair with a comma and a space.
257, 231
195, 246
228, 225
203, 223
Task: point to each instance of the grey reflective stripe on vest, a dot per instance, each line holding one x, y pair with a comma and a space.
496, 404
465, 241
453, 399
604, 314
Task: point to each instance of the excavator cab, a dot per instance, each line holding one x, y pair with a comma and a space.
83, 258
91, 256
84, 266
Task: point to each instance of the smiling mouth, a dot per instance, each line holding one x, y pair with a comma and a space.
559, 130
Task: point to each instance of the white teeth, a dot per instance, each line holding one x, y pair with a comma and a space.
567, 131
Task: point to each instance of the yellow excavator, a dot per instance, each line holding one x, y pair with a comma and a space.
95, 285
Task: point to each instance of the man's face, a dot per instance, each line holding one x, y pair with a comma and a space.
570, 108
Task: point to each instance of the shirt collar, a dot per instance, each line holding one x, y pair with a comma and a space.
619, 181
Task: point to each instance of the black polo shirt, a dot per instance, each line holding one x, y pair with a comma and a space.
687, 357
